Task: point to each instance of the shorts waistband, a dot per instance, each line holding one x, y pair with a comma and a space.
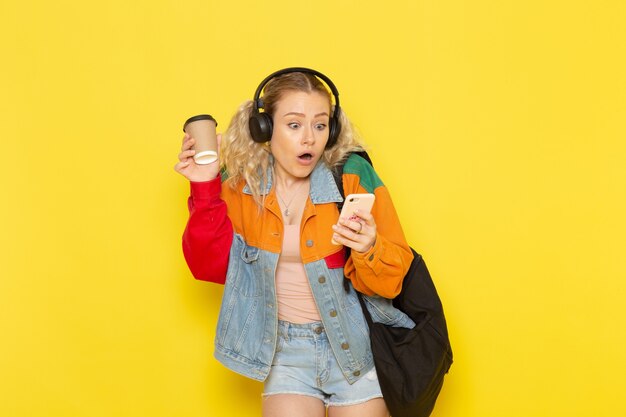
313, 330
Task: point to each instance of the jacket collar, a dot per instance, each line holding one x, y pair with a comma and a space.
323, 186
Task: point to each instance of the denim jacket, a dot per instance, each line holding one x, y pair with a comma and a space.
247, 325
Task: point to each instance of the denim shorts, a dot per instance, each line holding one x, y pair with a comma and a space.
304, 364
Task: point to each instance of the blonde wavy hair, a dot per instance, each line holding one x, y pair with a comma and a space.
243, 159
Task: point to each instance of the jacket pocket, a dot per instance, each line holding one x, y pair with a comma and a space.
382, 311
245, 279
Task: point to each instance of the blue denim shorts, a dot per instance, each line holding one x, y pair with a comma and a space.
304, 364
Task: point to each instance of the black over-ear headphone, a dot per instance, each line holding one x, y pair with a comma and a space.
261, 125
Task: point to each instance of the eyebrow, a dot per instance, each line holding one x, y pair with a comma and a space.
293, 113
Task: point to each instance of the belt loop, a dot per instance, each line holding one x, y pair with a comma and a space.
284, 327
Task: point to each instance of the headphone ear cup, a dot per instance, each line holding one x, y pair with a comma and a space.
260, 125
334, 129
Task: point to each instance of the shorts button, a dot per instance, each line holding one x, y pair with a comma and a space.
371, 258
345, 346
319, 329
356, 373
333, 313
321, 280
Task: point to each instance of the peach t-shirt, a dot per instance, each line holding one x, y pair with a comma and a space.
295, 300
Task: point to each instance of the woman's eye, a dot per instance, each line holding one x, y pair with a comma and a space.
293, 125
320, 126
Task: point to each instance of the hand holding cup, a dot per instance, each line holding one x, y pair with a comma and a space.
199, 153
202, 129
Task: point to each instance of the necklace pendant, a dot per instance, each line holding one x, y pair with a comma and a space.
286, 212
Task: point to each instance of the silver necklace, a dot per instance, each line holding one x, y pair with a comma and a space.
286, 212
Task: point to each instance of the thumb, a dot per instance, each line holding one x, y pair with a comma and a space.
219, 142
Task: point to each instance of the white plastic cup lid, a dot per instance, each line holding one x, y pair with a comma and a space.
205, 157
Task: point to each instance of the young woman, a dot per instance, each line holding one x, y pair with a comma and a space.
264, 229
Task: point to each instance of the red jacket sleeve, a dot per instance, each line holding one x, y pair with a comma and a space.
209, 232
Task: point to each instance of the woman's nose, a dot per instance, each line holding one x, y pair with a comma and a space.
308, 136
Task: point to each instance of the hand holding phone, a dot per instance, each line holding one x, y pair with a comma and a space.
353, 202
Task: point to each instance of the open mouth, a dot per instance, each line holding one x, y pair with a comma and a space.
305, 156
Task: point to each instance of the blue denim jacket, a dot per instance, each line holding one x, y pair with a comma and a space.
248, 321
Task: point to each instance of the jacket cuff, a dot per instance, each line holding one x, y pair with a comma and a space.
371, 258
206, 190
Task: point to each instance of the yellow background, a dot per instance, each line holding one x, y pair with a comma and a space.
498, 126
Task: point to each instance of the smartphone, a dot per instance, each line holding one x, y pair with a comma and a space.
362, 202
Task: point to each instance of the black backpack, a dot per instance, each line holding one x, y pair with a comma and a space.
410, 363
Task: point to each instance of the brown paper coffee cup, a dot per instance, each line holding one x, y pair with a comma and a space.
202, 129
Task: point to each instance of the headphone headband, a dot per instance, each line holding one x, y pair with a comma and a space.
284, 71
261, 125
